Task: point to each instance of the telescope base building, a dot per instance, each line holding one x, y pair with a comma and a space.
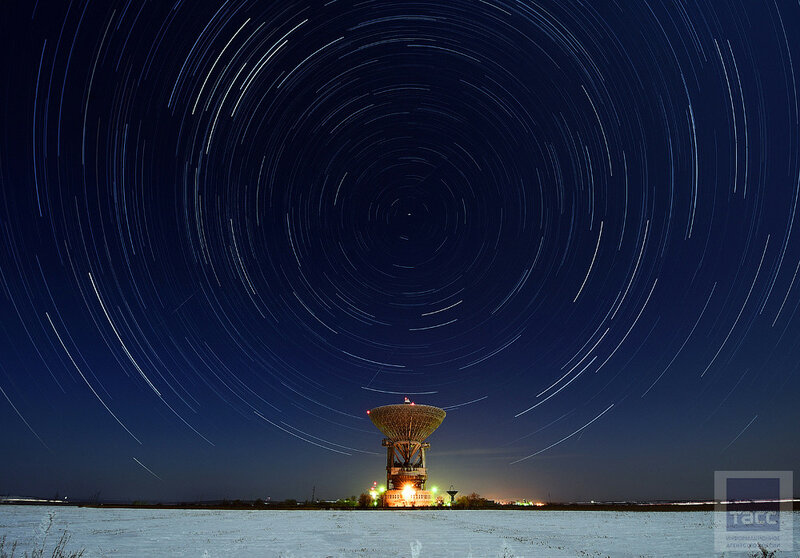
419, 499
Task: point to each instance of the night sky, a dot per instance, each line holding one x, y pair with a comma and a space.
227, 229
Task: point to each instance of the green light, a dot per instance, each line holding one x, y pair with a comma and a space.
435, 489
382, 489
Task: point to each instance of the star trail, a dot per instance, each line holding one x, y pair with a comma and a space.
229, 228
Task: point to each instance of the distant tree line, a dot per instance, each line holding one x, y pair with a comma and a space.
474, 502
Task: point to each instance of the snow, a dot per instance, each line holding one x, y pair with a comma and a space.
411, 534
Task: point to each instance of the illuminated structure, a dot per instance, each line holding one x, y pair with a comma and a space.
406, 427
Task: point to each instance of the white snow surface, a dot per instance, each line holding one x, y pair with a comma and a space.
411, 534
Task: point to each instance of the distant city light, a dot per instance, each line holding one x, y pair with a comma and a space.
527, 503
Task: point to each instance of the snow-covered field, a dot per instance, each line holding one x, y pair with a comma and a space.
125, 532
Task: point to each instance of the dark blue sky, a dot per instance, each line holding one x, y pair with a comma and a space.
229, 228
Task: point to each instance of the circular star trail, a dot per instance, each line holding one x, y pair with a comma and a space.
550, 215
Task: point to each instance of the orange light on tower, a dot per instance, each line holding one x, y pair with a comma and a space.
408, 493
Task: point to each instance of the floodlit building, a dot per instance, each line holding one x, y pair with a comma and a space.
406, 427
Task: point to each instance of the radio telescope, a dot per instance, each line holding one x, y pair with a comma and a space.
406, 427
